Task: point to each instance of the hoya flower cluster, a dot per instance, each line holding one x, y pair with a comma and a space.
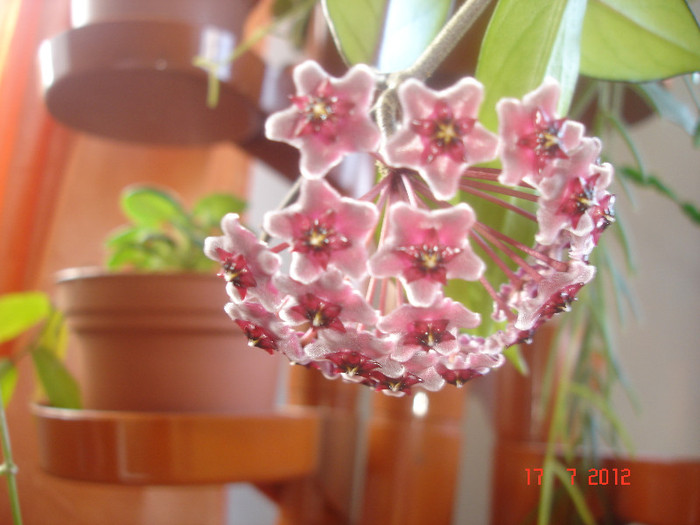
364, 296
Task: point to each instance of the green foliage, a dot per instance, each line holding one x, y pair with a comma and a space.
163, 235
633, 40
641, 178
524, 43
669, 107
390, 35
23, 312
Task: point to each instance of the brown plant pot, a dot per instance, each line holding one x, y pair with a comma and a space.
161, 342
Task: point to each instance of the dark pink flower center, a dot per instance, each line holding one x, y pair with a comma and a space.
317, 237
403, 383
320, 112
427, 333
603, 216
258, 336
456, 377
544, 140
427, 260
320, 313
352, 362
578, 197
234, 269
560, 301
442, 133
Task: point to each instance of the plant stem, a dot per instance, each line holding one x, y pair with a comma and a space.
426, 64
8, 468
446, 40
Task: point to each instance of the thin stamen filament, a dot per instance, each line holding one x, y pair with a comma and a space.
484, 230
558, 265
496, 259
499, 189
500, 202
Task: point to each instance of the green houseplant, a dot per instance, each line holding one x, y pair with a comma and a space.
145, 336
30, 314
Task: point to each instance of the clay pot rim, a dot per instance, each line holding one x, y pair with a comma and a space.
98, 272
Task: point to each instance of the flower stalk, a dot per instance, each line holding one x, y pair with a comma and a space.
8, 467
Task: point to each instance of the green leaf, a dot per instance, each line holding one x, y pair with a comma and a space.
634, 40
356, 28
8, 379
57, 382
21, 311
602, 405
651, 181
668, 106
575, 492
152, 207
525, 42
54, 334
390, 34
210, 209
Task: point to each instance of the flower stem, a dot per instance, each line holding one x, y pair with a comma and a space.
445, 41
8, 467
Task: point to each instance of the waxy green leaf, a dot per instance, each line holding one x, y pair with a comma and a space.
60, 387
525, 42
356, 27
390, 34
635, 40
151, 207
21, 311
210, 209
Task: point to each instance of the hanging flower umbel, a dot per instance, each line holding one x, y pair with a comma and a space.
367, 293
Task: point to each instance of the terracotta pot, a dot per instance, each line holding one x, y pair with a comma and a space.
125, 71
161, 342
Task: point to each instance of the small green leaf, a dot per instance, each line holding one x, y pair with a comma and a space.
390, 34
54, 334
21, 311
210, 209
152, 207
8, 379
633, 40
356, 27
524, 42
127, 257
575, 492
60, 387
651, 181
668, 106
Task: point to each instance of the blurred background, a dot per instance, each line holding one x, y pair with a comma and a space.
59, 187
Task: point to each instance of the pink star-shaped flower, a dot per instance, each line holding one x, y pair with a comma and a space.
324, 230
264, 330
532, 135
432, 328
328, 302
247, 264
555, 293
425, 248
572, 194
440, 136
329, 117
355, 354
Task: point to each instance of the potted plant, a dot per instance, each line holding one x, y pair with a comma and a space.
20, 313
148, 331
